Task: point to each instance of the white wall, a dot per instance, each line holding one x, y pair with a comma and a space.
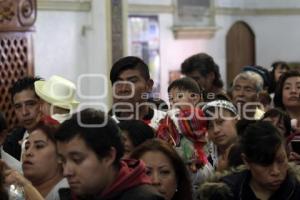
259, 3
70, 44
277, 38
62, 48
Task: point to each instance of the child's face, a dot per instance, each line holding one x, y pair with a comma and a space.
183, 99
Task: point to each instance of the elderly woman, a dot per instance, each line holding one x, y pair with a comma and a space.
166, 169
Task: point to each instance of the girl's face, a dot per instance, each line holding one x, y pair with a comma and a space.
291, 92
221, 129
162, 173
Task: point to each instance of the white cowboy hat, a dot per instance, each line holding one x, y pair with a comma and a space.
57, 91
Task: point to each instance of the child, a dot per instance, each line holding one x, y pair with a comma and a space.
184, 93
185, 126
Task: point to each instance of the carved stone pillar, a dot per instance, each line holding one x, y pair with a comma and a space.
17, 18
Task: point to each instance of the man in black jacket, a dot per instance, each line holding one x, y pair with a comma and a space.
27, 109
90, 147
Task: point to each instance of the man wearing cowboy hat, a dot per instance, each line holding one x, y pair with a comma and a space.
58, 95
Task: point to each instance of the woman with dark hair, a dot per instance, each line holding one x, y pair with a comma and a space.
40, 162
278, 68
287, 93
267, 174
134, 133
166, 169
287, 97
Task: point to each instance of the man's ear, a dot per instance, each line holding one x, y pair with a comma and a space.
110, 158
149, 84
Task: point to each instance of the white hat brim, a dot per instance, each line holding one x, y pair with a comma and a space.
39, 85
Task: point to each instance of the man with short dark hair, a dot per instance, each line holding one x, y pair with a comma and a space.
27, 109
132, 86
90, 147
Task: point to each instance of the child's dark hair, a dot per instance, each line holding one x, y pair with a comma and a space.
186, 84
260, 143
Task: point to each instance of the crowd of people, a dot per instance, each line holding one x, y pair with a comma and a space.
206, 143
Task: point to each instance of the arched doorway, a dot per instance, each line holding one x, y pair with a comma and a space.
240, 49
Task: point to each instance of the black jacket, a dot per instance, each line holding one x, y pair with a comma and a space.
239, 185
11, 144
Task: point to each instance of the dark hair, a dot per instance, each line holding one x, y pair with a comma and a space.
98, 130
3, 124
260, 142
278, 92
242, 124
158, 104
264, 98
23, 84
137, 130
221, 96
183, 179
48, 129
186, 84
3, 191
203, 63
280, 64
129, 62
276, 112
235, 156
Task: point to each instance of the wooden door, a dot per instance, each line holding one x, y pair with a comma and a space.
240, 49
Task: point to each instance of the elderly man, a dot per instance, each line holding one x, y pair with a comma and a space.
245, 89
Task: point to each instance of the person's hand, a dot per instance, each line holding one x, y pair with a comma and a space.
294, 157
13, 176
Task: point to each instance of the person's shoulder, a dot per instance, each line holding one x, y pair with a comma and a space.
236, 177
16, 134
145, 192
